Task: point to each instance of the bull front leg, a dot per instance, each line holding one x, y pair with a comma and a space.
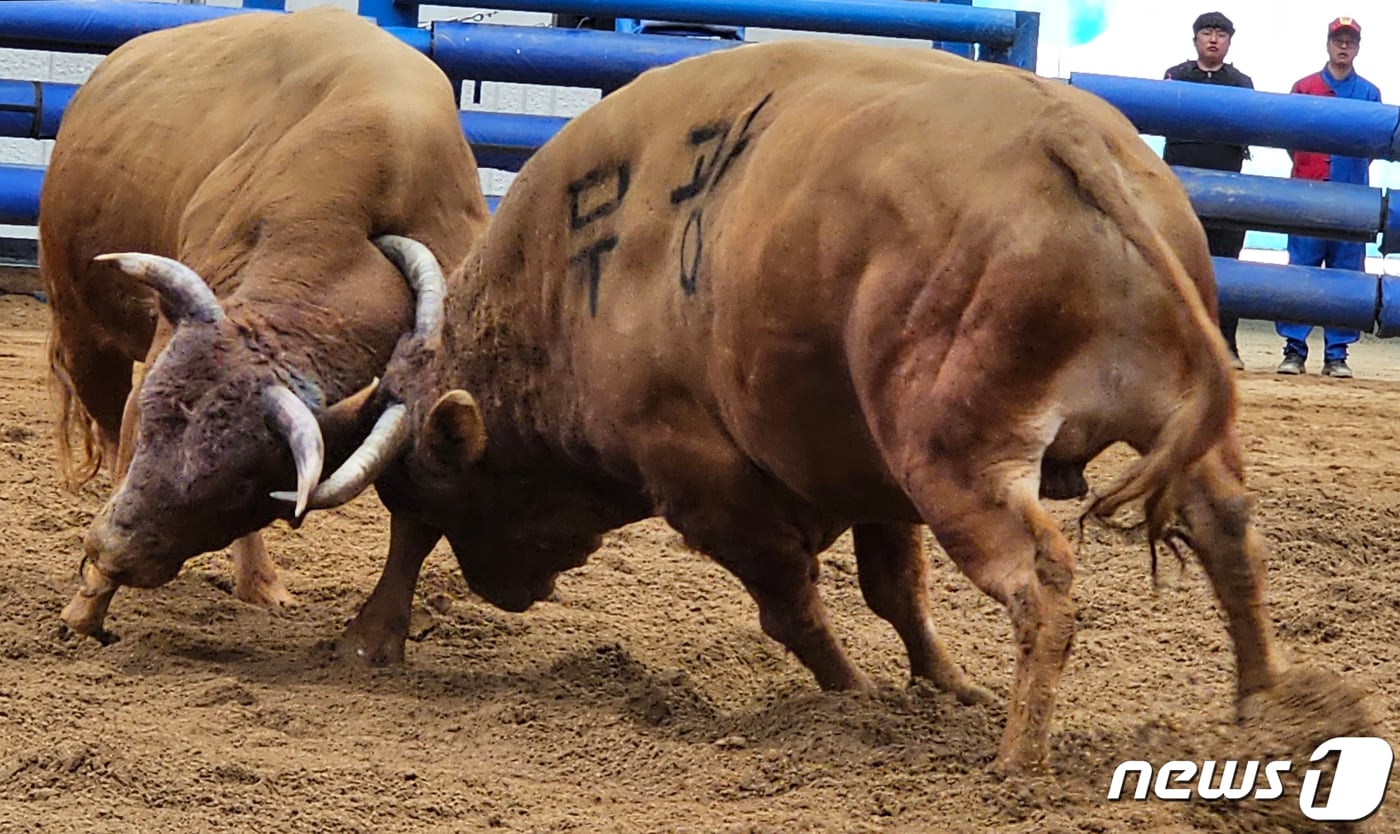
894, 580
377, 634
255, 578
86, 612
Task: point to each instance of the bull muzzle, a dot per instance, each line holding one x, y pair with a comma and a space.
118, 556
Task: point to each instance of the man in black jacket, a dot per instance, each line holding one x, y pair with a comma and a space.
1213, 32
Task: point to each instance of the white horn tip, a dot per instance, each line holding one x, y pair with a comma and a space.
291, 498
125, 260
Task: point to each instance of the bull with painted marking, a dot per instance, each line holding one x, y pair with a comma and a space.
787, 290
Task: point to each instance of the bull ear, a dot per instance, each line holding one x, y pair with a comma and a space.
453, 435
352, 416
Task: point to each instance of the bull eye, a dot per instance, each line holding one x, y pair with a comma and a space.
242, 492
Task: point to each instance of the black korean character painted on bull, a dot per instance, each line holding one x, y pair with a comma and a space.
593, 197
717, 146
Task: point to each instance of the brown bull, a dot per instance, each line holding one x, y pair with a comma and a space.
259, 153
786, 290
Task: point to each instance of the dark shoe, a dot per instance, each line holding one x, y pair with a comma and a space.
1236, 362
1337, 368
1292, 365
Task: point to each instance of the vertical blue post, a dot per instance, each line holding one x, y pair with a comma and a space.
1025, 47
1024, 42
963, 49
391, 13
273, 5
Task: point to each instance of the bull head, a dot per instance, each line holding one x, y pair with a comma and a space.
186, 298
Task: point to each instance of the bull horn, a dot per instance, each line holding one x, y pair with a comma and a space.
295, 422
389, 435
424, 275
182, 291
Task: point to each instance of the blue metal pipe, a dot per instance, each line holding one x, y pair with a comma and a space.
964, 50
1024, 49
389, 13
1327, 297
1388, 316
92, 25
419, 39
1215, 113
1320, 209
32, 109
1390, 240
506, 140
19, 194
569, 57
892, 18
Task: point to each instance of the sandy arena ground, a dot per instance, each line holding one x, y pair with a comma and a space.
643, 697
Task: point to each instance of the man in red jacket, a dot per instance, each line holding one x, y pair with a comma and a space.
1337, 79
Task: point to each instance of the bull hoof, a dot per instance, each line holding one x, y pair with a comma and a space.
86, 613
1005, 765
970, 694
101, 635
80, 622
361, 646
264, 592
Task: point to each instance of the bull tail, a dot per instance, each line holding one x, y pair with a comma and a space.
80, 452
1207, 410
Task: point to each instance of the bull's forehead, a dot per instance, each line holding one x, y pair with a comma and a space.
224, 361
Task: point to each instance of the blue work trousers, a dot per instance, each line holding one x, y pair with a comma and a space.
1333, 254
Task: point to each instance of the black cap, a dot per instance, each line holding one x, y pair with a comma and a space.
1213, 20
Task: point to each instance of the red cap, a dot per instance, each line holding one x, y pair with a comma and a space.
1344, 23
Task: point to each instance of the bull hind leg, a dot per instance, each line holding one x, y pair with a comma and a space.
970, 463
728, 509
1215, 507
894, 581
255, 578
1003, 540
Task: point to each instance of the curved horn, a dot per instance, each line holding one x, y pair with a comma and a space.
389, 435
295, 422
423, 274
184, 293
